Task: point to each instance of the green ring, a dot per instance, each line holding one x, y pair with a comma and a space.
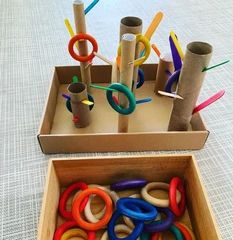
177, 233
125, 90
145, 236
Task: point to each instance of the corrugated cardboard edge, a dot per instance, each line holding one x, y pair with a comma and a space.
45, 108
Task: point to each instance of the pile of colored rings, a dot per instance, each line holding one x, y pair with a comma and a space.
139, 216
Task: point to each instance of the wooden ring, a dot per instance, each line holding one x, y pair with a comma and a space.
155, 201
87, 210
77, 214
144, 40
120, 228
82, 36
177, 208
187, 233
75, 232
65, 196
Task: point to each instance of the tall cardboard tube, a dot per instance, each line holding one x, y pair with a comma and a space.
126, 75
132, 25
115, 75
165, 64
81, 112
80, 25
198, 55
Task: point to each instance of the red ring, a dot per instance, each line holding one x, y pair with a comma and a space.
65, 196
82, 36
91, 235
177, 184
68, 225
63, 228
184, 231
155, 236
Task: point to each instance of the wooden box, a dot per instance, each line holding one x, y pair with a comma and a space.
106, 170
147, 125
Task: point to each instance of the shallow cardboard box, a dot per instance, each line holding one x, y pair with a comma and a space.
106, 170
147, 125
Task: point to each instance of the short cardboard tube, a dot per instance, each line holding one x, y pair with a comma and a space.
165, 64
81, 111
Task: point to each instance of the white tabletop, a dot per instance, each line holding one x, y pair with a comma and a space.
33, 40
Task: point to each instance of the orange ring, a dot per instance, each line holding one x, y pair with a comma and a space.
82, 36
76, 209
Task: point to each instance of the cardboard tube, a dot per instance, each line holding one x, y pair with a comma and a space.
197, 57
165, 63
78, 93
126, 75
132, 25
115, 73
80, 25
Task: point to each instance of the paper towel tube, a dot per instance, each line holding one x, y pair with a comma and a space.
78, 93
128, 44
115, 75
165, 63
132, 25
80, 25
197, 57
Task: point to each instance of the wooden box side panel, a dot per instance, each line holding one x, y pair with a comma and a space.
50, 107
199, 207
48, 217
123, 142
111, 169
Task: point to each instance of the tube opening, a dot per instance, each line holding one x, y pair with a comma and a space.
199, 48
131, 21
76, 87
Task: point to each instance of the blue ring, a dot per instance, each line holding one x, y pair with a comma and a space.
90, 98
125, 90
128, 184
148, 211
68, 105
141, 80
132, 236
172, 79
163, 225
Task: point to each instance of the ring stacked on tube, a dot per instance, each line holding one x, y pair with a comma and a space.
139, 216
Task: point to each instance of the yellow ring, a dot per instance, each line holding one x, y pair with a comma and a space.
76, 232
144, 40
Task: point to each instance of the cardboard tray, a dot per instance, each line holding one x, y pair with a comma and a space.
147, 125
106, 170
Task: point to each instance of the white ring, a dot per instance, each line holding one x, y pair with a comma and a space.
156, 201
120, 228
